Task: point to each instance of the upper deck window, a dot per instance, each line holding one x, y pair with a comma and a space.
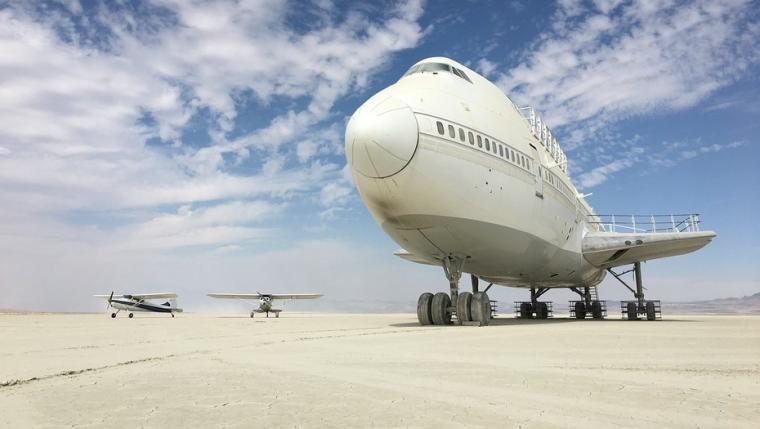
435, 68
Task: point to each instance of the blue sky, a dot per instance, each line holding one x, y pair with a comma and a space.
198, 146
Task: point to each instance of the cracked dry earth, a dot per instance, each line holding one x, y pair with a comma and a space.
321, 370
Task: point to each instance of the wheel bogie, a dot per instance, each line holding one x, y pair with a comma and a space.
596, 310
632, 311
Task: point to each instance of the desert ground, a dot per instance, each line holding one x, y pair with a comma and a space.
328, 370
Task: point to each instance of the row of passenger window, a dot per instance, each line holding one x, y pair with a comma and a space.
490, 145
553, 180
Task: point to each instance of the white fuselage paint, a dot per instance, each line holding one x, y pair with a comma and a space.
436, 195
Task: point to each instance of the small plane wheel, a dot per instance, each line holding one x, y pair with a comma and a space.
172, 315
113, 315
424, 315
651, 315
596, 309
464, 310
439, 309
632, 311
526, 312
480, 308
131, 315
251, 315
580, 310
542, 310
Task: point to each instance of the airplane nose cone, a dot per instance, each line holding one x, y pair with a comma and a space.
381, 138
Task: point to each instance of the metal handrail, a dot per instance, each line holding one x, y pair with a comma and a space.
646, 223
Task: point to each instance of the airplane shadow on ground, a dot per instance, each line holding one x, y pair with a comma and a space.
499, 321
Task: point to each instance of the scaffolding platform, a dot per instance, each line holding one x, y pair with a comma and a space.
518, 305
603, 313
652, 310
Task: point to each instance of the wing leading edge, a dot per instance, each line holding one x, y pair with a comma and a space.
612, 249
257, 296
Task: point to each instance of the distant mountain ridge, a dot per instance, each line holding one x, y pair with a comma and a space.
749, 304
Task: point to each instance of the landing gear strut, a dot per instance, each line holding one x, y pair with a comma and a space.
588, 305
439, 309
633, 309
527, 309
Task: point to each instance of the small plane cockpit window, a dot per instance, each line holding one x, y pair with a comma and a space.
461, 74
472, 139
461, 134
480, 142
488, 145
501, 151
452, 133
440, 127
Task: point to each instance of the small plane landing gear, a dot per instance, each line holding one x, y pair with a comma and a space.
534, 308
113, 315
172, 315
590, 305
631, 310
252, 314
131, 315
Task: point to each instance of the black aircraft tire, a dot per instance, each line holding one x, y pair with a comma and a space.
439, 309
596, 309
580, 310
423, 309
632, 313
480, 308
131, 315
464, 301
526, 310
542, 310
651, 315
113, 315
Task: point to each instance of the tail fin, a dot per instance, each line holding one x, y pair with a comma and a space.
167, 304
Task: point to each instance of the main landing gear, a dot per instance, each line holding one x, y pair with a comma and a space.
534, 309
590, 305
640, 307
439, 309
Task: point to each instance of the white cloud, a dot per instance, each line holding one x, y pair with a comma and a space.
612, 60
81, 96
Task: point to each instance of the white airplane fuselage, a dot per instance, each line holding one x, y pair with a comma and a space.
449, 193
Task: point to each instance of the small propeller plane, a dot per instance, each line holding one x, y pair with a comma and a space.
135, 302
265, 300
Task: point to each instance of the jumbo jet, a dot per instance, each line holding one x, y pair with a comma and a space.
141, 302
265, 300
462, 178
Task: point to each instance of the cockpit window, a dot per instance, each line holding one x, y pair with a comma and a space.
435, 68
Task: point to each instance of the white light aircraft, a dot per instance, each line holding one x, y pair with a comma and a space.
461, 178
265, 300
140, 302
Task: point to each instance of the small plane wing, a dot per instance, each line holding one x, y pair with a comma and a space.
259, 295
612, 249
141, 296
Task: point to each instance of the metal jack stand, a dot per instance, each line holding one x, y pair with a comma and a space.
631, 310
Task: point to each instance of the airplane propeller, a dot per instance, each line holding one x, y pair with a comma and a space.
110, 298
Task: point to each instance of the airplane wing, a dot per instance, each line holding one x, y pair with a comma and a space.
235, 295
271, 295
612, 249
141, 296
295, 295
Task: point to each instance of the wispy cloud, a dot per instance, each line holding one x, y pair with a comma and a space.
611, 60
86, 89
